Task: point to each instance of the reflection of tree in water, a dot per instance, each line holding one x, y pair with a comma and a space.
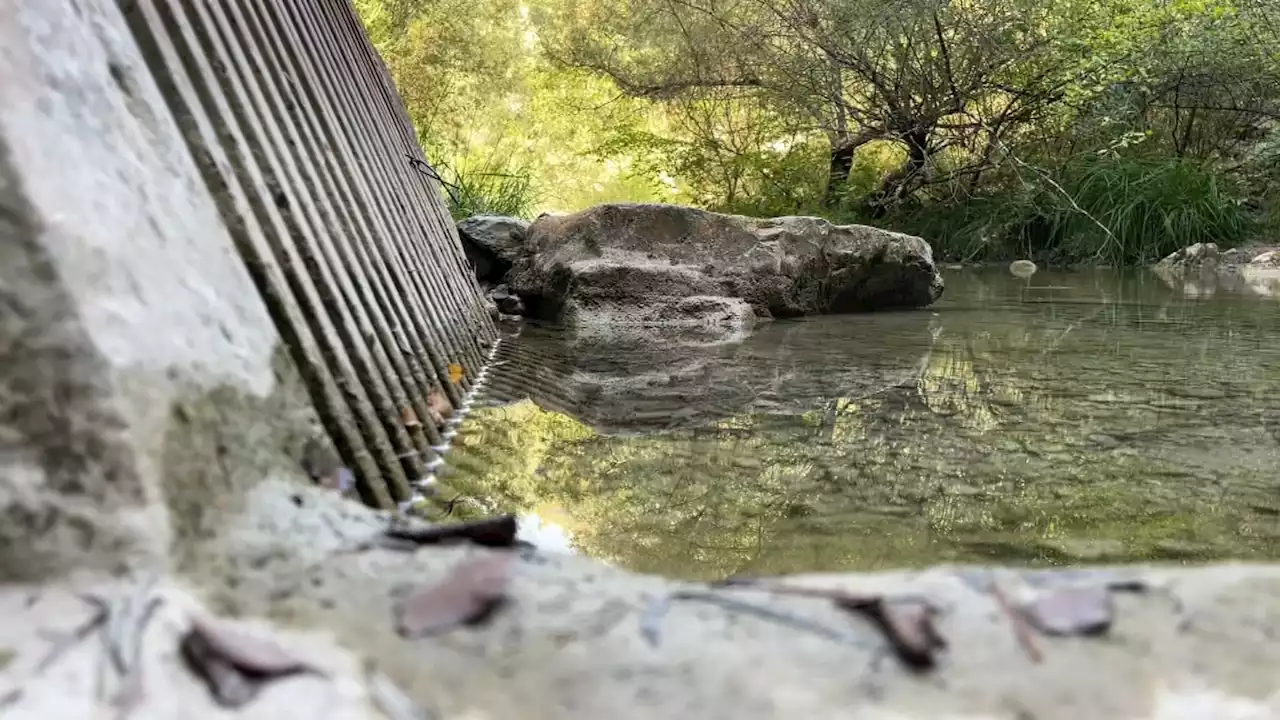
1035, 436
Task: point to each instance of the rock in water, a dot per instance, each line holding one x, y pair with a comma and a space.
645, 262
492, 243
1022, 269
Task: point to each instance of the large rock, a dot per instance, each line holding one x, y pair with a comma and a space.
634, 258
493, 243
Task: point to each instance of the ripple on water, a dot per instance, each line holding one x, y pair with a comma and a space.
1110, 419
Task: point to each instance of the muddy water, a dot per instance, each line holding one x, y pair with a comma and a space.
1072, 418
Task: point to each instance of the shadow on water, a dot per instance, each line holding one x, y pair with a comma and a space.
1088, 417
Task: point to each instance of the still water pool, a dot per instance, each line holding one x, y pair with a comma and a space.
1073, 418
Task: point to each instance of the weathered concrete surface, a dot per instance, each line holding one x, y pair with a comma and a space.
574, 639
142, 382
648, 258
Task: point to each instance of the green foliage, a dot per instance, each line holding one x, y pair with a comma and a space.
1118, 211
1071, 130
489, 187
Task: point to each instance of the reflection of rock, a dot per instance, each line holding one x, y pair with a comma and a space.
690, 376
492, 243
696, 320
647, 261
1202, 270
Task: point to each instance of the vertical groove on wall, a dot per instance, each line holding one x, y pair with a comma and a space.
307, 149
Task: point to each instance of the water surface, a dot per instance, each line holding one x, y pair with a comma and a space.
1087, 417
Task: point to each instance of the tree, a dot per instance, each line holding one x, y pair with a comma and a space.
956, 85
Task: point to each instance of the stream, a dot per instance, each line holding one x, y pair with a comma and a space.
1073, 418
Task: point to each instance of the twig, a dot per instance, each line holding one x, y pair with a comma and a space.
131, 691
1021, 630
75, 637
651, 621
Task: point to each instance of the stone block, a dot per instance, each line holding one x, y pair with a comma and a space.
142, 383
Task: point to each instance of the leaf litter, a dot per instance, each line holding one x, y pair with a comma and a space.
235, 665
468, 595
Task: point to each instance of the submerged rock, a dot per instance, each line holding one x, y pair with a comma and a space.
492, 243
646, 262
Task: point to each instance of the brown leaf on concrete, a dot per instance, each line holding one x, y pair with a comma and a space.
908, 627
468, 595
1080, 610
438, 406
233, 664
497, 532
409, 418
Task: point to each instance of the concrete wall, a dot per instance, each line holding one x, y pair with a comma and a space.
314, 167
218, 252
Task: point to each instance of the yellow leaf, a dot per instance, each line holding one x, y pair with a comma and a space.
455, 373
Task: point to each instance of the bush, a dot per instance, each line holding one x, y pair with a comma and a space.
492, 186
1119, 211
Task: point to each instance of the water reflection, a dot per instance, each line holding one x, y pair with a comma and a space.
1083, 417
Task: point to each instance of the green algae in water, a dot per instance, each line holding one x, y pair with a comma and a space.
1119, 421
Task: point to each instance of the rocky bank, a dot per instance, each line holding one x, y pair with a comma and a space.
1203, 269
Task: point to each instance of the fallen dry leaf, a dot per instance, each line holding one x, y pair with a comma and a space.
455, 373
468, 595
1080, 610
233, 664
409, 418
439, 407
908, 627
498, 532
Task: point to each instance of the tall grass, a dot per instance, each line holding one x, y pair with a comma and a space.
1118, 211
490, 186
